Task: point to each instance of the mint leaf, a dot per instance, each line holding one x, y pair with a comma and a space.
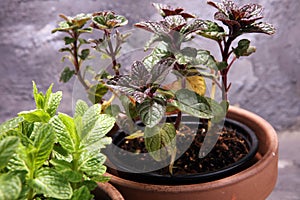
82, 193
92, 163
99, 129
81, 108
38, 97
50, 183
43, 143
89, 119
65, 130
10, 124
8, 146
37, 115
10, 186
53, 102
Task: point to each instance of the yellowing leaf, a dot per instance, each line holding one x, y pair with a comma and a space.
193, 83
196, 84
135, 135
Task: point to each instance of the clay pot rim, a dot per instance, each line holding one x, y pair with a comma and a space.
110, 190
250, 119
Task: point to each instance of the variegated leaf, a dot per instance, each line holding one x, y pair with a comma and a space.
50, 183
160, 140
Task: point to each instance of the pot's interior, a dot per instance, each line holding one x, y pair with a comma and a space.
130, 172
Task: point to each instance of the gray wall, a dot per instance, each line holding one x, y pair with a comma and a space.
266, 83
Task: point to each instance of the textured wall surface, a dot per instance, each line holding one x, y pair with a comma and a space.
267, 83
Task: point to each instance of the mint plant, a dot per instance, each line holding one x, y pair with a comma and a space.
49, 156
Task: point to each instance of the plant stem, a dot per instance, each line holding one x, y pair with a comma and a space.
30, 194
76, 61
31, 177
178, 120
224, 72
112, 53
213, 90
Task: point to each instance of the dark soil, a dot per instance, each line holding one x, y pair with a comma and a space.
229, 148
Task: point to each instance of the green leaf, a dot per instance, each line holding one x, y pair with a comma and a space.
66, 75
159, 53
242, 48
10, 187
91, 185
72, 176
65, 168
153, 39
151, 111
113, 110
51, 184
83, 41
17, 162
38, 97
10, 124
96, 93
108, 20
89, 119
81, 108
129, 107
218, 110
69, 40
100, 128
86, 30
37, 115
65, 50
65, 130
61, 165
53, 103
186, 55
84, 54
91, 163
210, 30
204, 58
135, 135
48, 93
192, 103
196, 25
43, 143
8, 146
82, 193
222, 65
160, 140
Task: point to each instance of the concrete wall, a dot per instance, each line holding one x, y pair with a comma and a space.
267, 83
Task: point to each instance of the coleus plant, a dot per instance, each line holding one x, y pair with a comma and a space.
146, 93
49, 156
190, 65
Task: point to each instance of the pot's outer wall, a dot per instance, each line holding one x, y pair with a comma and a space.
105, 191
254, 183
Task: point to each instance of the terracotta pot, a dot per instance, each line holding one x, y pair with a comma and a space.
255, 182
105, 191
